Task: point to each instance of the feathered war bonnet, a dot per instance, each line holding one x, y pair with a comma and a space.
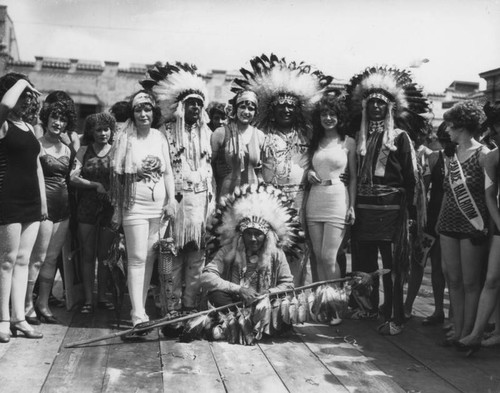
407, 106
276, 81
172, 85
262, 207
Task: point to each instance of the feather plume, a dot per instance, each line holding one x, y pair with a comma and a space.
171, 83
271, 76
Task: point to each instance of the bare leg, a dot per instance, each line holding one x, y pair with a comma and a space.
332, 239
489, 295
10, 237
36, 261
472, 259
29, 233
450, 252
59, 231
316, 234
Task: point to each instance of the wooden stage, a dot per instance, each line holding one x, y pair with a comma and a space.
351, 357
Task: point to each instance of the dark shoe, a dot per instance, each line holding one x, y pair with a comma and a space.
87, 309
14, 328
469, 348
106, 306
433, 320
32, 320
448, 342
53, 301
45, 317
390, 329
4, 337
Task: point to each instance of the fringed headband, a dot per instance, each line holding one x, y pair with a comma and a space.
247, 95
142, 98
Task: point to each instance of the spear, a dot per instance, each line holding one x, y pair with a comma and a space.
144, 326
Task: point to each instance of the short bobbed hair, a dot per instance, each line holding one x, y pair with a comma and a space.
336, 104
467, 114
60, 103
96, 121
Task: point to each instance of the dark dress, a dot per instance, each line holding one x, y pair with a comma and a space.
436, 195
93, 207
55, 172
19, 188
452, 222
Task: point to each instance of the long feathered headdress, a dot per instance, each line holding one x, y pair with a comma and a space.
408, 106
263, 207
276, 80
172, 84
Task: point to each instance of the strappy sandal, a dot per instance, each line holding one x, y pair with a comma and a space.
87, 309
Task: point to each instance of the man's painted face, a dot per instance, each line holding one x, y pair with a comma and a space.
253, 239
376, 109
285, 114
192, 110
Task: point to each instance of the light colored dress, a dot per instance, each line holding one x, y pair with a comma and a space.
328, 201
150, 193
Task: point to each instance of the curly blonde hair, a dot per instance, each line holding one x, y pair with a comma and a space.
467, 114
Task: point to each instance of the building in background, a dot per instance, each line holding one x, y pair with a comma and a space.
457, 91
95, 86
492, 79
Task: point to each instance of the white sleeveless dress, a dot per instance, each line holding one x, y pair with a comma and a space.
328, 203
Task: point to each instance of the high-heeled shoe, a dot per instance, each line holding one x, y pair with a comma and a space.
32, 320
14, 328
4, 337
46, 318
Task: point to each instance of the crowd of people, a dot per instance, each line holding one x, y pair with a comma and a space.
289, 157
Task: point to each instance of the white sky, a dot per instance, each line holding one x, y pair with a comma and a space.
461, 38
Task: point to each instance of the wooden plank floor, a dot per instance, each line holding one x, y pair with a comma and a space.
351, 357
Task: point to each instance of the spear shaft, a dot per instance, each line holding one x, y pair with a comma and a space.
142, 327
